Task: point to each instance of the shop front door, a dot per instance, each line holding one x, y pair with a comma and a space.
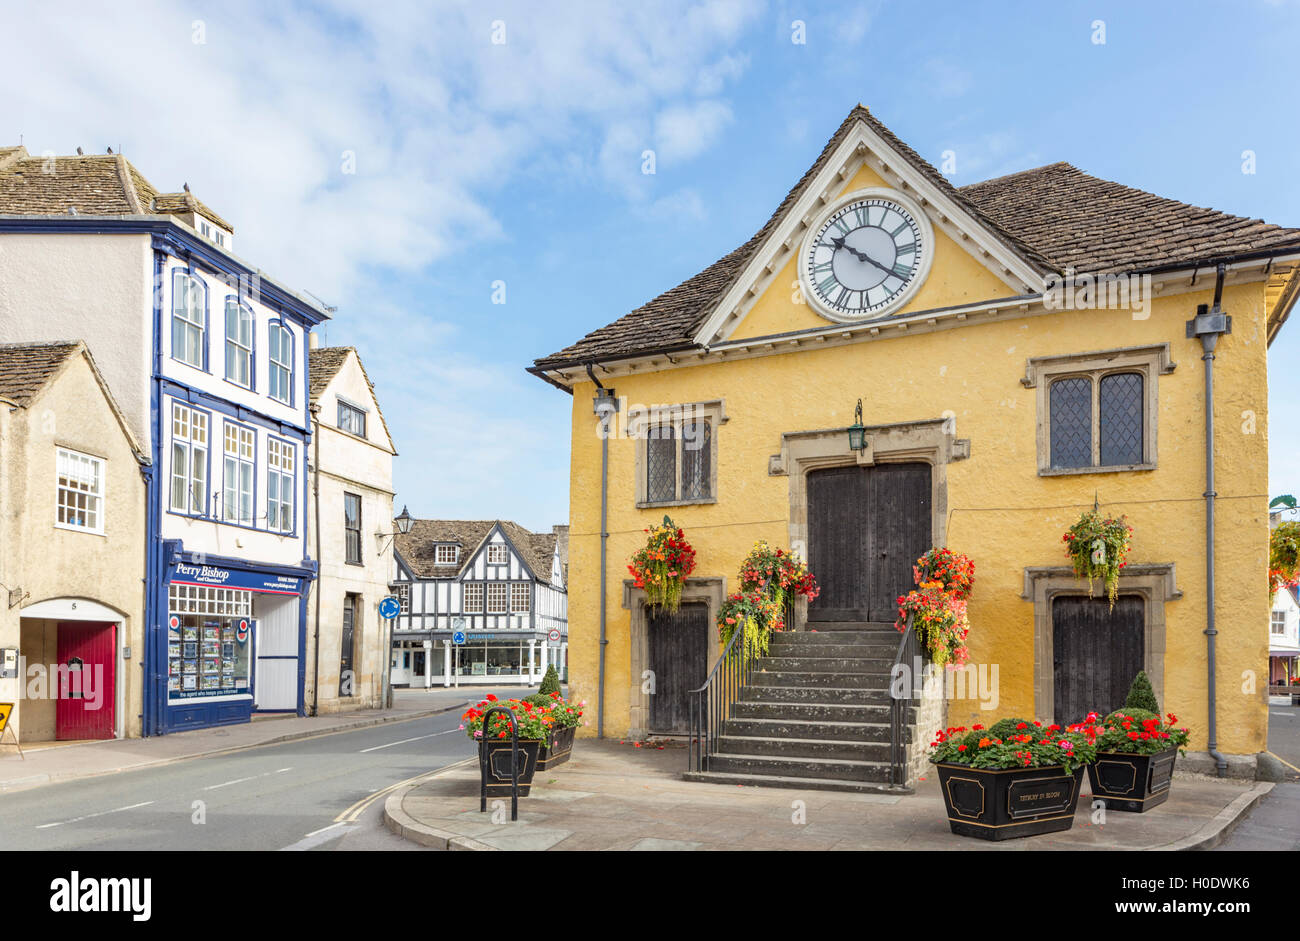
275, 684
87, 682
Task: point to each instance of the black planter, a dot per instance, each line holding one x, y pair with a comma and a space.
494, 756
1132, 782
1005, 805
557, 749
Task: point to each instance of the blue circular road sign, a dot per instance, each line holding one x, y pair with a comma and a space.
458, 638
390, 608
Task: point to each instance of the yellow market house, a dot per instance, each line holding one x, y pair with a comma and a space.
1023, 349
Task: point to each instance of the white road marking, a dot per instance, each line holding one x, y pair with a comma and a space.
317, 837
405, 740
116, 810
213, 787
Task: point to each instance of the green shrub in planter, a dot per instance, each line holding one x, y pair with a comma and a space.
1141, 695
550, 682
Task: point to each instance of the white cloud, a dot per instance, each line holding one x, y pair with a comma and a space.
257, 119
683, 132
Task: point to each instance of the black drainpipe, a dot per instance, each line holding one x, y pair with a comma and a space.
315, 483
604, 405
1208, 325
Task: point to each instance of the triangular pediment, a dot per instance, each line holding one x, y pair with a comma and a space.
970, 259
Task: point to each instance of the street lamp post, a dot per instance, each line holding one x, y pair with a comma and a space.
404, 524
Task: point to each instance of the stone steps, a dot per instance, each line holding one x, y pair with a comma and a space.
815, 714
870, 651
840, 665
794, 783
832, 769
812, 711
850, 732
828, 679
774, 692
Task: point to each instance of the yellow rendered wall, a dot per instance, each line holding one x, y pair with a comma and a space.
1000, 511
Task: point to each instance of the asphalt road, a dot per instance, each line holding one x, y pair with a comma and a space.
1274, 824
323, 793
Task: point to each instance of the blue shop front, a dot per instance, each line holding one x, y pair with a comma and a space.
231, 642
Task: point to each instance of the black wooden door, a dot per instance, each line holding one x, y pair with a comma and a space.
1096, 653
679, 652
347, 681
866, 528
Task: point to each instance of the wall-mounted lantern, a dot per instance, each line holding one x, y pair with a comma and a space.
857, 432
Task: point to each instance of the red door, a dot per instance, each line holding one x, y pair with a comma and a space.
86, 682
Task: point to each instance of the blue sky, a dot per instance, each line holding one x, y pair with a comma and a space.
520, 161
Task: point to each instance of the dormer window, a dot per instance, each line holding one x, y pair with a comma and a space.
446, 555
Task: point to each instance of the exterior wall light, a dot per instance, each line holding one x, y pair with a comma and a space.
857, 432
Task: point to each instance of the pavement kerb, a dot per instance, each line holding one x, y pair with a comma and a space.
1223, 823
404, 825
22, 784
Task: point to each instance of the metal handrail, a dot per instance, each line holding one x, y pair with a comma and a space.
909, 650
710, 703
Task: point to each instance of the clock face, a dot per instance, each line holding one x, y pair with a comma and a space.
865, 257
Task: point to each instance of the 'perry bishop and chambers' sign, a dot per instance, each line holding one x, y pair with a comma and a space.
242, 579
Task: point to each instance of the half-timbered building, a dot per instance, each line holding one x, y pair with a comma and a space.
482, 602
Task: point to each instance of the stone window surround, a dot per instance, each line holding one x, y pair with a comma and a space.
639, 420
1149, 361
930, 441
1154, 582
712, 592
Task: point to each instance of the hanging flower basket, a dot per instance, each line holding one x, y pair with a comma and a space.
939, 619
660, 569
937, 605
1283, 557
1098, 548
956, 572
768, 579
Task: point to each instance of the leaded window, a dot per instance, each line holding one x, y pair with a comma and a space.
496, 597
697, 450
1072, 422
1120, 396
1098, 421
474, 598
661, 464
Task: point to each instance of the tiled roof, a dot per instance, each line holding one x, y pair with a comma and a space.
25, 368
417, 547
93, 184
324, 363
1053, 217
1089, 224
